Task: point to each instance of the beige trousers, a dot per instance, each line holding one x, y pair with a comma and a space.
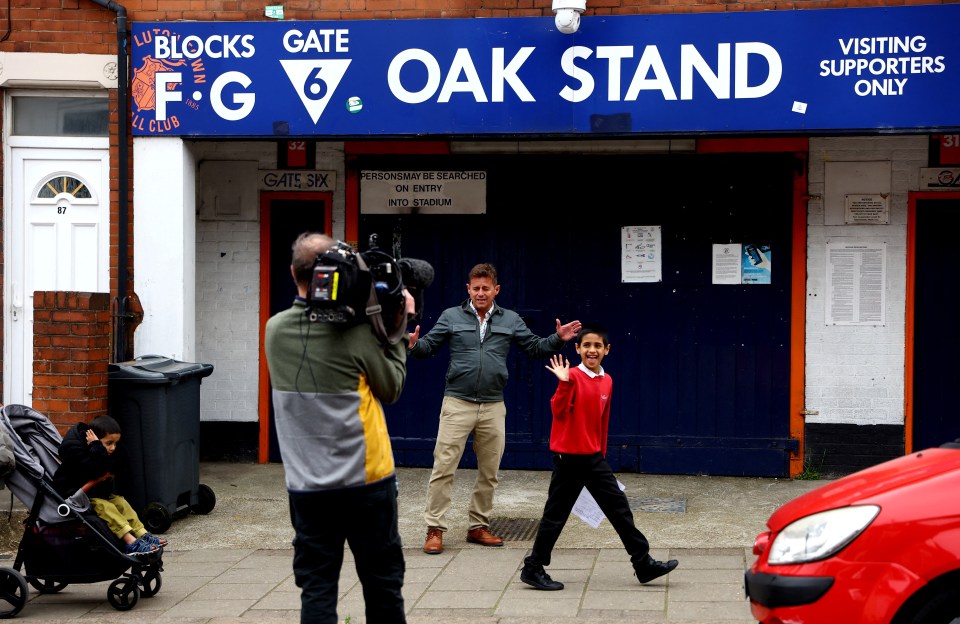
458, 419
119, 515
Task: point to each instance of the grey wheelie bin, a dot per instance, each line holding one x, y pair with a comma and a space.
156, 400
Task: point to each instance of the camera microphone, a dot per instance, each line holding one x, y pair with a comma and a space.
348, 287
417, 274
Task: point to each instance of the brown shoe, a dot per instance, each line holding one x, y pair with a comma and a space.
434, 543
483, 536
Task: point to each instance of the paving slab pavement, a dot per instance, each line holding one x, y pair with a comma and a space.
234, 564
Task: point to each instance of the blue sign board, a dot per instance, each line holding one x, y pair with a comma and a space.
810, 71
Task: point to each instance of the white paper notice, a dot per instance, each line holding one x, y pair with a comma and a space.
640, 252
587, 509
726, 263
856, 275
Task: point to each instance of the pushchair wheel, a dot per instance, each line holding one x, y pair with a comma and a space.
13, 592
157, 518
47, 586
124, 593
150, 583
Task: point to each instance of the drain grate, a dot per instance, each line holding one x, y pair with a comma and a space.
514, 529
525, 529
662, 505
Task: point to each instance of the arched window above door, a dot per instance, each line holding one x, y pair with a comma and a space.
63, 184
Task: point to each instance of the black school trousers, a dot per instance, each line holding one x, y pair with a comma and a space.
364, 517
572, 473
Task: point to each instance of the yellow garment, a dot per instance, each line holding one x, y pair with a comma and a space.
119, 515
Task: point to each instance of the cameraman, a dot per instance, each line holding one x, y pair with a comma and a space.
328, 383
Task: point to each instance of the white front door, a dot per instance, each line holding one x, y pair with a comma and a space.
59, 240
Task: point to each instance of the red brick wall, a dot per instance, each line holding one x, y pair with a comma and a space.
71, 350
70, 26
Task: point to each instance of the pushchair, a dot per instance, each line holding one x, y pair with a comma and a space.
63, 541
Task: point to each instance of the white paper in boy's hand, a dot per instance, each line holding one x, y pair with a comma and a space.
587, 509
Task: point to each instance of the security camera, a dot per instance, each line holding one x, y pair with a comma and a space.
568, 14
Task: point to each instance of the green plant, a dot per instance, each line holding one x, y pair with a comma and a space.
811, 470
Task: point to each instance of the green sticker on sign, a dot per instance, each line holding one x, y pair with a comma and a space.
276, 12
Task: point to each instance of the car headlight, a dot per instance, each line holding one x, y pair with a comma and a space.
820, 535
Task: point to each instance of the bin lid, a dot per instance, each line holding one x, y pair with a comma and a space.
156, 369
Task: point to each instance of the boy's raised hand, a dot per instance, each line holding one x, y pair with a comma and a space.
560, 367
91, 437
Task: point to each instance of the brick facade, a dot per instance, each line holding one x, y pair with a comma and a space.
71, 350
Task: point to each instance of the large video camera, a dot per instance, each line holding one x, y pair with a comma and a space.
350, 287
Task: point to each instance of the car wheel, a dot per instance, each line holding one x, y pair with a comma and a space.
942, 608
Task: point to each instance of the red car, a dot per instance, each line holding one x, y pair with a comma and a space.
881, 545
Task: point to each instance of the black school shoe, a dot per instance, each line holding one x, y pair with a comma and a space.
654, 569
535, 576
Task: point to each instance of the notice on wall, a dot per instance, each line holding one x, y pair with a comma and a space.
756, 264
734, 263
867, 209
423, 192
726, 263
640, 253
940, 179
856, 275
279, 180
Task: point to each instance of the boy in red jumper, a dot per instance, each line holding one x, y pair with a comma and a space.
578, 439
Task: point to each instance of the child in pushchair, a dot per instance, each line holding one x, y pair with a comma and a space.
88, 463
64, 540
